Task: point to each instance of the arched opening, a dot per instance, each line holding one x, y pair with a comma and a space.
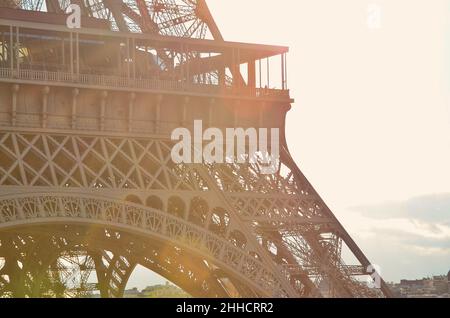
145, 283
238, 239
219, 222
133, 199
154, 202
112, 230
198, 211
98, 261
176, 207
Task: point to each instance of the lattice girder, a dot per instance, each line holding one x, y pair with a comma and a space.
166, 17
66, 242
98, 155
64, 208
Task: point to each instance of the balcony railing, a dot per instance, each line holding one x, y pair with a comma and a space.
154, 85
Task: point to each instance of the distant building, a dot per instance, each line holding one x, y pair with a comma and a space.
132, 293
157, 291
435, 287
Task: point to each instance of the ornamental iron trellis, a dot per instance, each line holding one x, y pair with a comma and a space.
87, 184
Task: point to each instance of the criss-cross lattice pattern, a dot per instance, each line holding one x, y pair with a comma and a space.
166, 17
171, 228
109, 198
292, 222
71, 161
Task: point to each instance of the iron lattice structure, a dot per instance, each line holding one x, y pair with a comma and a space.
88, 189
184, 18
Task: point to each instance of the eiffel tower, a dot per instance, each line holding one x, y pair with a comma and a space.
88, 190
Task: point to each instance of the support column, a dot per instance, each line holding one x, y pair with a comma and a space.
130, 111
260, 73
188, 71
113, 276
71, 54
45, 92
181, 72
222, 71
103, 110
282, 72
240, 80
134, 57
4, 51
158, 66
11, 48
234, 69
75, 93
285, 71
251, 75
63, 51
157, 125
120, 58
100, 270
77, 47
17, 51
15, 90
128, 59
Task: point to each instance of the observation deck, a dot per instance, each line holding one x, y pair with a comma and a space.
38, 48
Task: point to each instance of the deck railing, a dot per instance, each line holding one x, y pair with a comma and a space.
119, 82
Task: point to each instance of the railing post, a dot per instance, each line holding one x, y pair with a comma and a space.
63, 51
238, 71
11, 52
233, 70
158, 66
45, 92
181, 65
252, 76
17, 51
159, 100
260, 73
188, 71
103, 110
77, 46
128, 61
15, 90
282, 72
75, 93
221, 74
134, 58
285, 71
130, 111
71, 56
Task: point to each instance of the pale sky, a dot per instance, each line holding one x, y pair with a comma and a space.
371, 122
370, 127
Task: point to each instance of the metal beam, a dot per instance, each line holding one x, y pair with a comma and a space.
53, 6
116, 9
